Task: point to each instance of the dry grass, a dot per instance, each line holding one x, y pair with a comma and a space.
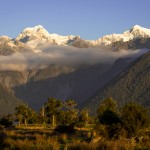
26, 144
28, 139
43, 139
105, 145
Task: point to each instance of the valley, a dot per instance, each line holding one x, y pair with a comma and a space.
37, 65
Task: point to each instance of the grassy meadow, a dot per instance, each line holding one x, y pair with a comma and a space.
46, 138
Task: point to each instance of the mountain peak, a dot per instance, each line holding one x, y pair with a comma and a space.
39, 27
31, 33
137, 27
4, 37
35, 29
38, 35
138, 31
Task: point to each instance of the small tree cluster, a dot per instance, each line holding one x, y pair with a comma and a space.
113, 123
24, 114
134, 117
54, 112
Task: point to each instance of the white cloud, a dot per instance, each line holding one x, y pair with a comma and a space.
62, 55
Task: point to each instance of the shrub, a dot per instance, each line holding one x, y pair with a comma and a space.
65, 128
134, 117
101, 130
5, 121
109, 118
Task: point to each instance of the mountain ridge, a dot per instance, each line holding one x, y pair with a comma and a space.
41, 65
133, 84
32, 37
8, 101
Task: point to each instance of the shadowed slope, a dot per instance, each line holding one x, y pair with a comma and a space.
131, 85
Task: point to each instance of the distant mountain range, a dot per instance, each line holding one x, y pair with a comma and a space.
89, 65
34, 39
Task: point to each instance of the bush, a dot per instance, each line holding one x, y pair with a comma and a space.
134, 118
65, 128
5, 121
109, 118
80, 124
101, 130
114, 131
107, 113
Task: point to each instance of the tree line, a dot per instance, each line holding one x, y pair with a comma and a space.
109, 122
53, 112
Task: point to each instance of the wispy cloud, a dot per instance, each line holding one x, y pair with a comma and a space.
61, 55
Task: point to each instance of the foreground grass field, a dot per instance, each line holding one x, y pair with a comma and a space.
39, 138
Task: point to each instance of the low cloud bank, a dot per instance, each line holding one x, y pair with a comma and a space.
61, 55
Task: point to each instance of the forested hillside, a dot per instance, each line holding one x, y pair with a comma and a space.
131, 85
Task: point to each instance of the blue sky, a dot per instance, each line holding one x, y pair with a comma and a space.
90, 19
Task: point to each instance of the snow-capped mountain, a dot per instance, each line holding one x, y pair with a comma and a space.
4, 39
9, 46
50, 72
37, 36
138, 31
133, 33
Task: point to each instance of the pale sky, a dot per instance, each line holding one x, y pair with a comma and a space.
90, 19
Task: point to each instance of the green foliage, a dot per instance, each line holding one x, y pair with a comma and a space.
107, 104
132, 84
116, 131
71, 114
24, 114
6, 121
33, 117
52, 106
101, 130
53, 113
41, 118
83, 118
107, 112
110, 124
109, 118
70, 104
65, 128
52, 110
134, 118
